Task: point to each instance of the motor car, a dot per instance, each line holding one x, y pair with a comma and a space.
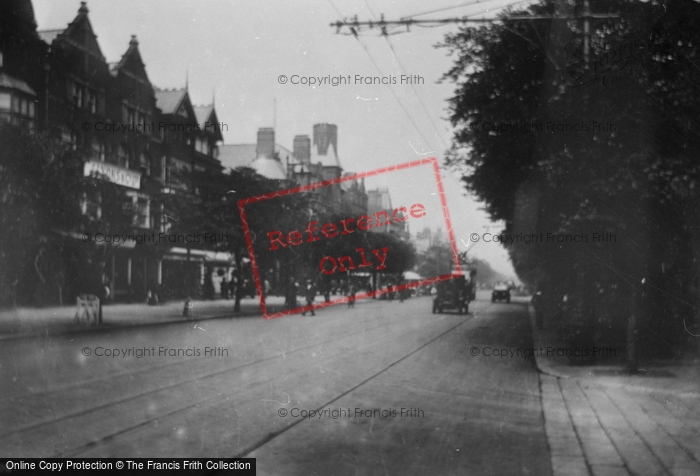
453, 294
501, 292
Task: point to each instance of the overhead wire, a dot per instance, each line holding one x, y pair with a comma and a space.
413, 89
398, 100
454, 7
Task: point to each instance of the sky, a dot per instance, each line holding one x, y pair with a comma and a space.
233, 52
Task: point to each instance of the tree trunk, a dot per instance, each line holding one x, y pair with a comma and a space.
239, 282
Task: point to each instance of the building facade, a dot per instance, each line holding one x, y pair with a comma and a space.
58, 82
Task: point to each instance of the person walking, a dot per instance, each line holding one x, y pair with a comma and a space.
351, 296
310, 292
224, 288
290, 295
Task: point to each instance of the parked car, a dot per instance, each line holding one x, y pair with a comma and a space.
501, 292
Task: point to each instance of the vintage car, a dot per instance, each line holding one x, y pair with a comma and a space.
501, 292
453, 294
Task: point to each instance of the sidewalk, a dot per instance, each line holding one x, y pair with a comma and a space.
603, 422
24, 322
50, 321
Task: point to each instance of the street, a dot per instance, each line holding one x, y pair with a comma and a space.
386, 388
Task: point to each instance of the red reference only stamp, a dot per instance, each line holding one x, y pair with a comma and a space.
307, 239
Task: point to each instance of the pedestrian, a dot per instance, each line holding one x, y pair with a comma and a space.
224, 288
351, 294
290, 295
232, 287
310, 293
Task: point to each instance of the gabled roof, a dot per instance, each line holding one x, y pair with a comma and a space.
207, 114
203, 113
75, 33
131, 62
175, 102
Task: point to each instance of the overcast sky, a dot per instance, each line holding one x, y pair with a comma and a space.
239, 49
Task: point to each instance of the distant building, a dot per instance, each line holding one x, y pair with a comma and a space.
308, 162
379, 200
423, 240
266, 157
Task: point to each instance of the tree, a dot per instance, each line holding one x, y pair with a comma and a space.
212, 205
47, 207
541, 73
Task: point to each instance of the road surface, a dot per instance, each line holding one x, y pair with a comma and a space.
383, 388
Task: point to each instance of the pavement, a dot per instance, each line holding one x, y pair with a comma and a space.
50, 321
601, 421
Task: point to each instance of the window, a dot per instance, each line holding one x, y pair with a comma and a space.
123, 156
78, 95
5, 101
163, 170
129, 114
143, 212
140, 206
98, 149
91, 206
69, 137
144, 162
202, 146
92, 101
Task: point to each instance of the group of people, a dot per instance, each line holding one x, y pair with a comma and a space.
309, 293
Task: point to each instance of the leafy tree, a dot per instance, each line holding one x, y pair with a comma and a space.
539, 72
47, 205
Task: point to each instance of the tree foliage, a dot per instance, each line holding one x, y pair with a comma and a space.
46, 206
637, 180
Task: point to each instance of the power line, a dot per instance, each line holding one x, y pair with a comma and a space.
390, 88
454, 7
356, 26
413, 89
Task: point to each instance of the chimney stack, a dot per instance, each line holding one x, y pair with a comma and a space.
266, 142
326, 135
302, 149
